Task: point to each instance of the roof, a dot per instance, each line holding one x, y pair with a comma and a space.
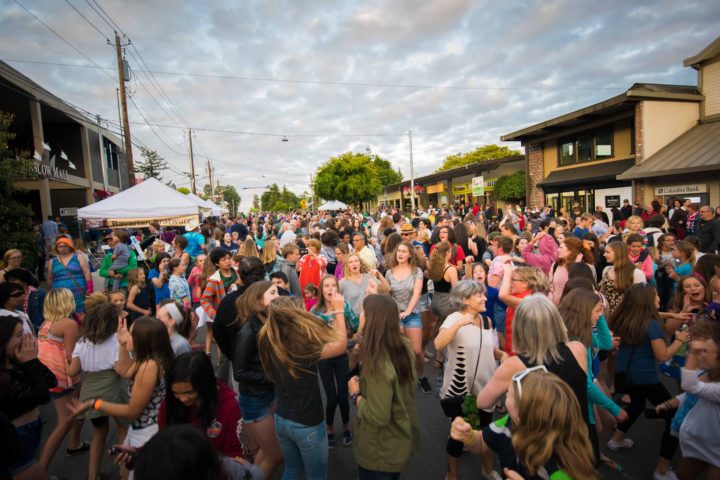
34, 90
711, 51
586, 174
470, 169
624, 102
695, 151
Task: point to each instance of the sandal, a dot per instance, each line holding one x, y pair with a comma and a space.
83, 447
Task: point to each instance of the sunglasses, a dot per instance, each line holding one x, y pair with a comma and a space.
517, 378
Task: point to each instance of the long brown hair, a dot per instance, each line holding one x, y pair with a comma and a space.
320, 306
630, 319
381, 338
249, 304
551, 425
100, 322
438, 261
678, 298
391, 260
151, 341
622, 266
292, 339
576, 310
576, 247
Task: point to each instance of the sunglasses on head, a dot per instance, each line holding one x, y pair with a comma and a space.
518, 377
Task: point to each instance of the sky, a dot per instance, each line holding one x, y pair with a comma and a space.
334, 77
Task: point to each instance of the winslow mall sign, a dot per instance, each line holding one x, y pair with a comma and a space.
44, 170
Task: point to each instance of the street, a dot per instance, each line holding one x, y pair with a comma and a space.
428, 463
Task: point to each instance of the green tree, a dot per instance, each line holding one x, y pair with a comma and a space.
16, 229
152, 165
227, 193
276, 200
183, 190
349, 177
385, 172
480, 154
256, 203
511, 188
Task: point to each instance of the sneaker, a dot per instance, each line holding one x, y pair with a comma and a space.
425, 385
492, 475
83, 447
668, 475
331, 441
615, 446
347, 438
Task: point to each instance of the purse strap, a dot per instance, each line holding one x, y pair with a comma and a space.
70, 274
477, 365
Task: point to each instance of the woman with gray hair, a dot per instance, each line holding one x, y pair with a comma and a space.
471, 360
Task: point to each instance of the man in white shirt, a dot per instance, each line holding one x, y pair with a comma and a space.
366, 254
288, 235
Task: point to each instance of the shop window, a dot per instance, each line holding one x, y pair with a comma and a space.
587, 147
111, 156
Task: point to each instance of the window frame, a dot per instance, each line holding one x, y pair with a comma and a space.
574, 139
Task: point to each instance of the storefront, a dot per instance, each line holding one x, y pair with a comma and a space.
436, 194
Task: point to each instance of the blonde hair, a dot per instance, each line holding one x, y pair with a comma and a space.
423, 235
133, 278
346, 269
537, 329
292, 339
59, 304
634, 218
537, 281
248, 249
269, 253
551, 425
94, 299
9, 253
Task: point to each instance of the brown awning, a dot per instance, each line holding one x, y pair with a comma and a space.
587, 175
695, 151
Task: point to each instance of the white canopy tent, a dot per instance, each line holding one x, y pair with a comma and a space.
333, 205
148, 201
206, 206
217, 210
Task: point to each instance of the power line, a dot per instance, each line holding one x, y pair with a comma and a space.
132, 100
347, 84
88, 21
114, 25
63, 39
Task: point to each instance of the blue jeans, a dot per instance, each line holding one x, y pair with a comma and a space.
302, 446
364, 474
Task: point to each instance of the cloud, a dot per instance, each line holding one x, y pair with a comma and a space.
527, 61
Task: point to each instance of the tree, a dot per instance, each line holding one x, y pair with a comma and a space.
511, 188
385, 172
183, 190
480, 154
228, 193
153, 164
276, 200
16, 229
349, 177
256, 203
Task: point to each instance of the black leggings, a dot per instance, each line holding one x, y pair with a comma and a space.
655, 393
334, 376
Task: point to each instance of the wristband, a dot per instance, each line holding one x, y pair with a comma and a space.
354, 397
98, 404
470, 440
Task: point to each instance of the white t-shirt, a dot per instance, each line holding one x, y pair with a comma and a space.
462, 358
638, 275
96, 357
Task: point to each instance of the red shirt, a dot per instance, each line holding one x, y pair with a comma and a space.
509, 315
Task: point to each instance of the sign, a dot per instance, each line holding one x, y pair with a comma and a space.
490, 184
478, 186
144, 222
681, 189
437, 188
461, 189
68, 212
612, 201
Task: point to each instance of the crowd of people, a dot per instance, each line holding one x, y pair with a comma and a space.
551, 332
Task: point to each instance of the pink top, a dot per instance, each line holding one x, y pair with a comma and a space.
559, 279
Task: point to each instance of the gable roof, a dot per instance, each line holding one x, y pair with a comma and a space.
707, 53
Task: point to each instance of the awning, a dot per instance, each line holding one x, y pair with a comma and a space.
588, 175
695, 151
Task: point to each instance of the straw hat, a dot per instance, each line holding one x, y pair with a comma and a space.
192, 225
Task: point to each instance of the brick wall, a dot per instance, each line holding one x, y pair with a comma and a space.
535, 174
638, 133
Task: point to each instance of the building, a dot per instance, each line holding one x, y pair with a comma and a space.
689, 165
76, 160
446, 187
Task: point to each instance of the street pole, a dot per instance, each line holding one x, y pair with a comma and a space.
123, 104
412, 175
192, 165
103, 164
212, 195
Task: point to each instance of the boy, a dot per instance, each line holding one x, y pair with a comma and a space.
120, 258
280, 280
639, 256
291, 255
583, 225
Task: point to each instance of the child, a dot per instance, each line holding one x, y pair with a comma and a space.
120, 257
291, 255
139, 302
195, 280
682, 253
280, 280
159, 276
179, 288
311, 298
117, 298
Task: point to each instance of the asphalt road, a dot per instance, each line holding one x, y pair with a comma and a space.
428, 462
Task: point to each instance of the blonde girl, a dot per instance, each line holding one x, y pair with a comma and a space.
543, 433
56, 342
248, 248
139, 302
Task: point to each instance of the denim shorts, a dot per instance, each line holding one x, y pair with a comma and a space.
256, 407
29, 436
424, 302
411, 321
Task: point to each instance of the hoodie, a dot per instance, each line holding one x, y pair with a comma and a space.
289, 270
225, 429
548, 254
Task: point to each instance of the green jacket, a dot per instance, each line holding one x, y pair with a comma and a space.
386, 425
107, 262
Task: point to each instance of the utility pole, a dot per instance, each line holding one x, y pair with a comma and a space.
212, 194
123, 105
192, 165
412, 175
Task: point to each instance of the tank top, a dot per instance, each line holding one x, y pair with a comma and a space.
570, 372
442, 285
149, 416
